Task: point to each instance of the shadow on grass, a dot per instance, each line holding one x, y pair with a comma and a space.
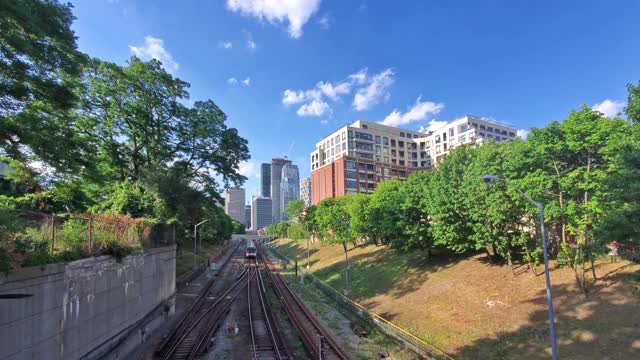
603, 326
374, 270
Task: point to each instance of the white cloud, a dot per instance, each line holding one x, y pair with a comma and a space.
251, 45
226, 44
232, 81
370, 89
372, 93
249, 169
292, 97
610, 108
314, 108
433, 125
334, 91
419, 111
295, 12
246, 81
360, 77
522, 134
154, 49
324, 21
324, 122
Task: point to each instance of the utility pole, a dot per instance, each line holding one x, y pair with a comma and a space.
195, 239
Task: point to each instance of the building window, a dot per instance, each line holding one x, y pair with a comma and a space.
512, 134
489, 129
415, 136
437, 149
331, 141
437, 139
378, 149
344, 136
351, 184
370, 177
393, 161
423, 155
462, 139
385, 151
401, 144
364, 136
364, 126
451, 132
364, 156
401, 162
422, 145
386, 159
423, 164
414, 155
362, 166
414, 146
370, 167
393, 152
393, 143
385, 141
463, 128
350, 134
351, 174
378, 139
482, 127
332, 153
444, 137
401, 134
415, 164
351, 165
403, 173
362, 146
401, 153
482, 134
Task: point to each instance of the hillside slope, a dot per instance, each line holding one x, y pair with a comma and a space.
474, 309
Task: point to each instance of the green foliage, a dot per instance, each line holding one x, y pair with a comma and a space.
278, 230
294, 209
238, 228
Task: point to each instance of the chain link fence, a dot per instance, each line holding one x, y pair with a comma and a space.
410, 341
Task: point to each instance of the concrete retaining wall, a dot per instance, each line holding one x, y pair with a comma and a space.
81, 309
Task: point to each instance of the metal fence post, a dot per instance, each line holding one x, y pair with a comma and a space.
53, 233
90, 240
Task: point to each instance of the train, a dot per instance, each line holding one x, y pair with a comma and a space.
251, 250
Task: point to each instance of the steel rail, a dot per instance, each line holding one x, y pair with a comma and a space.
284, 292
172, 349
178, 330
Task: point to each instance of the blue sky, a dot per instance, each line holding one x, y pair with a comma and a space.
288, 75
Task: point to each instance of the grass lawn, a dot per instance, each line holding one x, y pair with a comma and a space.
477, 310
184, 261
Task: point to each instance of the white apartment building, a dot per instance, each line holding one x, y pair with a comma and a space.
305, 191
234, 204
364, 153
414, 149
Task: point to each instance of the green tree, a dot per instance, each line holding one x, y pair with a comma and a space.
415, 222
294, 209
39, 65
383, 212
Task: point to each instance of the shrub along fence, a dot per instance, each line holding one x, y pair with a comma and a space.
29, 238
410, 341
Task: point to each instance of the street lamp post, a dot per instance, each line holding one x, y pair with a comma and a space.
490, 179
195, 239
306, 226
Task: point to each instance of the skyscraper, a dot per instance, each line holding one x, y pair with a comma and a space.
276, 178
260, 212
247, 216
234, 204
265, 180
305, 191
289, 187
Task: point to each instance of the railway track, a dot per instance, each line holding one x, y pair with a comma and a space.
266, 342
191, 337
318, 341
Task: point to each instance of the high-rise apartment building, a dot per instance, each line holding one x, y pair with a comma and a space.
276, 178
234, 204
260, 212
358, 156
247, 216
289, 187
265, 180
305, 191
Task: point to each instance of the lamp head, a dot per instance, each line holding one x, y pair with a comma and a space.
489, 179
